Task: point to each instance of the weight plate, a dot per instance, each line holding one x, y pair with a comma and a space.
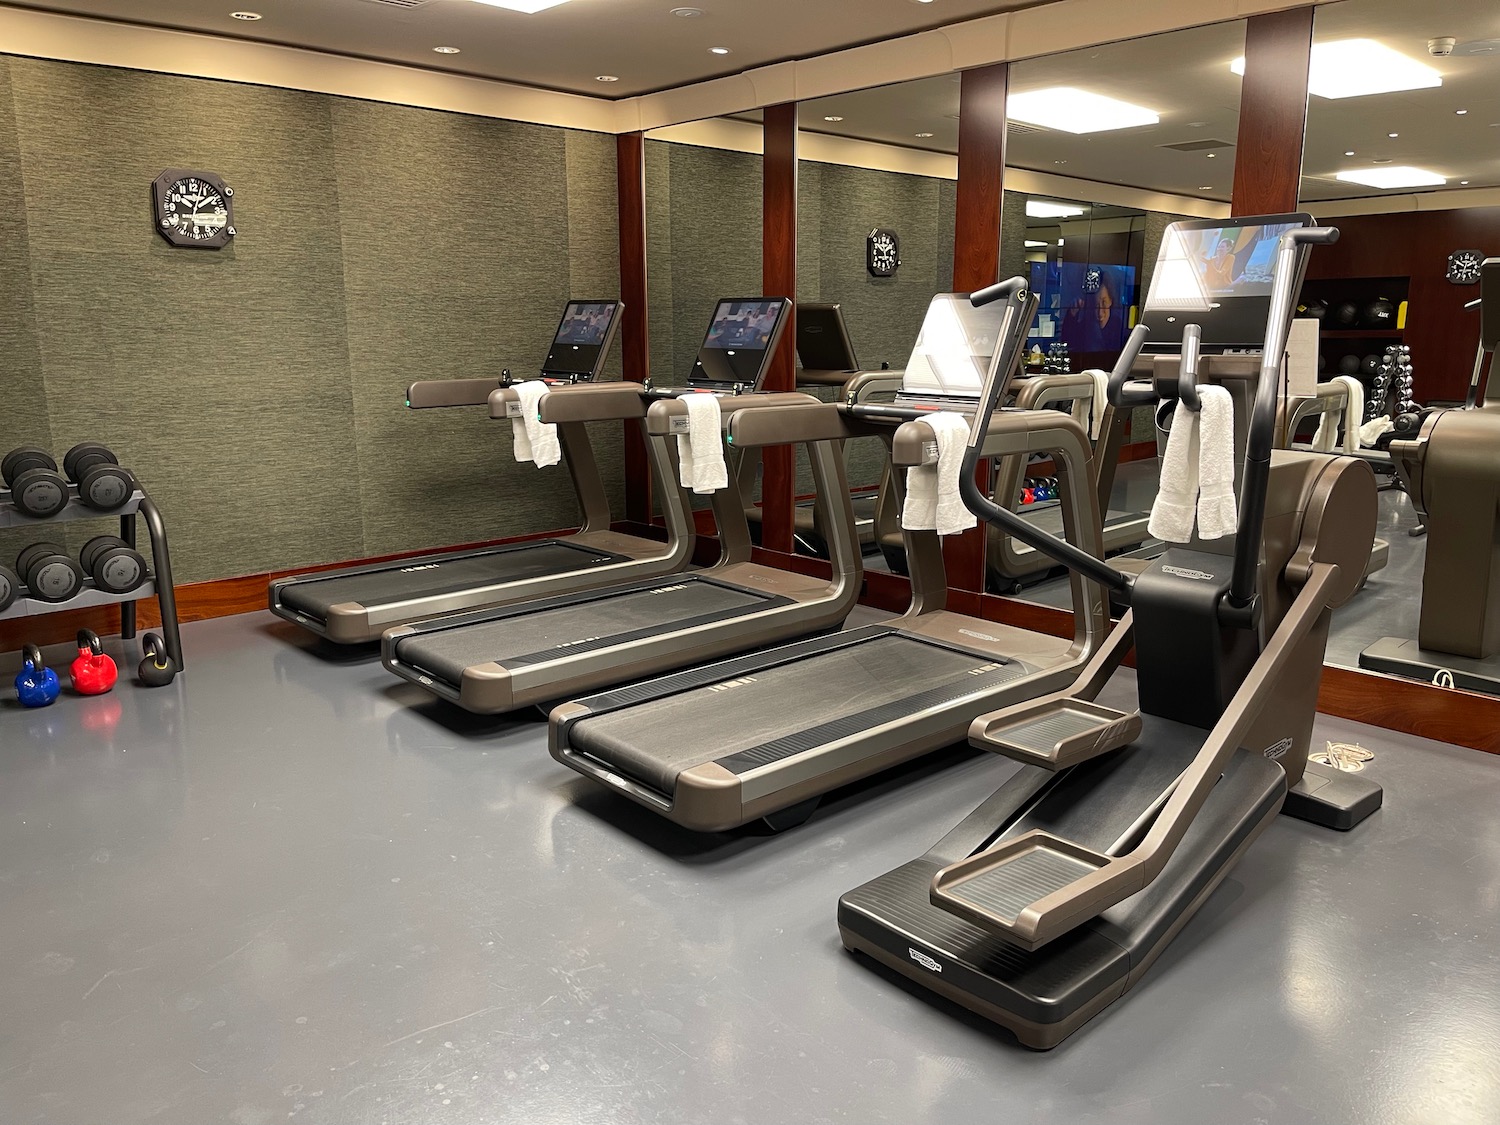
33, 455
96, 453
10, 588
55, 579
105, 487
121, 571
40, 493
35, 550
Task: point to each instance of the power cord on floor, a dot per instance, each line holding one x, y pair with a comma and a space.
1348, 757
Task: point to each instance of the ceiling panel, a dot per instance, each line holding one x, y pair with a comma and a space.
563, 48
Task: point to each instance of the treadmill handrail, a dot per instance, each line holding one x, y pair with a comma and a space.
791, 424
662, 411
427, 394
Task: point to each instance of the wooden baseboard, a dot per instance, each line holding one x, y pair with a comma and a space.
1137, 451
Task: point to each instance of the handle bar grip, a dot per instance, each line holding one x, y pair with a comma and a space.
1120, 376
1318, 236
997, 292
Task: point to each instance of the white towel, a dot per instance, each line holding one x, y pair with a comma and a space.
534, 440
1370, 432
1090, 412
1327, 436
1177, 498
933, 502
700, 451
1216, 510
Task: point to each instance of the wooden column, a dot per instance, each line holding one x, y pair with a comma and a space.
635, 337
779, 279
976, 250
1273, 112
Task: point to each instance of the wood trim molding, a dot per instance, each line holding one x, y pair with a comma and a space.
779, 279
635, 334
1273, 112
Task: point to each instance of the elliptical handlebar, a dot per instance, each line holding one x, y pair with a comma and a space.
1119, 394
1291, 260
1011, 339
1010, 287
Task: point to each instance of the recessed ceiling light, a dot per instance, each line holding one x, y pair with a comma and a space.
1352, 68
1464, 183
1197, 124
1045, 209
1349, 153
921, 1
1076, 111
1212, 155
606, 78
833, 117
1396, 176
687, 13
248, 17
922, 135
718, 50
446, 50
1393, 136
1034, 244
1207, 187
1059, 162
527, 7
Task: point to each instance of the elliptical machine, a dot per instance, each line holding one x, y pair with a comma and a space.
1056, 895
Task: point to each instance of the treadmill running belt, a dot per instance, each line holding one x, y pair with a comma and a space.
597, 622
1050, 520
654, 742
396, 583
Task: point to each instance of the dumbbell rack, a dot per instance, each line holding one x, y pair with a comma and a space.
158, 582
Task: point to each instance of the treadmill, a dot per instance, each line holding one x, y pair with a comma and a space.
352, 605
1059, 892
763, 736
825, 358
493, 661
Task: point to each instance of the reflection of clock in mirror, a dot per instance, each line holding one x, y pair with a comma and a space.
882, 252
193, 209
1093, 280
1463, 266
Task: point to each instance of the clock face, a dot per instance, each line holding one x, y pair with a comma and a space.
1093, 280
882, 252
193, 209
1463, 266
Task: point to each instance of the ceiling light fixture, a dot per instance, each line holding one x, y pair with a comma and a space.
833, 117
1071, 110
446, 50
1034, 244
1464, 183
1353, 68
1046, 209
1461, 112
1393, 136
1396, 176
525, 7
1212, 155
924, 136
248, 17
687, 13
1207, 187
606, 78
1349, 153
718, 50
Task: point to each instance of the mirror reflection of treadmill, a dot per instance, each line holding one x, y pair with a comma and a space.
825, 360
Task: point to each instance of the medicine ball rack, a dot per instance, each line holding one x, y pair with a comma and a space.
158, 582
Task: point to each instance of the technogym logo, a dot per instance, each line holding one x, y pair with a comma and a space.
925, 961
424, 566
1183, 572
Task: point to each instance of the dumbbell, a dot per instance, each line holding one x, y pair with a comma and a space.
102, 484
50, 575
36, 486
10, 587
115, 567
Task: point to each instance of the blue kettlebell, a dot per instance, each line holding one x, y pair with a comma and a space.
36, 684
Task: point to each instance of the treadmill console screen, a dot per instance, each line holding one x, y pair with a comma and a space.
955, 348
741, 337
823, 342
1215, 273
581, 344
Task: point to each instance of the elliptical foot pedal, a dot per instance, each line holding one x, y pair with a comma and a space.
1062, 734
1015, 889
1332, 798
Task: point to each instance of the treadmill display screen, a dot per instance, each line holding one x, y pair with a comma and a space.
1217, 275
822, 340
581, 344
955, 348
739, 341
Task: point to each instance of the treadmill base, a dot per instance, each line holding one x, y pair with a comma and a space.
1332, 798
1397, 657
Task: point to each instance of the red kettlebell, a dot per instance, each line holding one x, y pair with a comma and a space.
93, 671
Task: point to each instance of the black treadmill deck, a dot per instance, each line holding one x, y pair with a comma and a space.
435, 576
747, 714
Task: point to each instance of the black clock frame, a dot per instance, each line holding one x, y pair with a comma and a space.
1478, 258
871, 267
160, 190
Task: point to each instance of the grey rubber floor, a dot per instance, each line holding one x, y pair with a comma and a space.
290, 889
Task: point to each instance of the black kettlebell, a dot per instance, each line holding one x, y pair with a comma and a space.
157, 668
37, 489
102, 484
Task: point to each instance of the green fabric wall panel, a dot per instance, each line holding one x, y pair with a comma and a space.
809, 230
455, 244
662, 315
221, 377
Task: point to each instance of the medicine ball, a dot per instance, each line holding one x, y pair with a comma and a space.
1380, 313
1370, 365
1346, 314
1315, 309
1350, 365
